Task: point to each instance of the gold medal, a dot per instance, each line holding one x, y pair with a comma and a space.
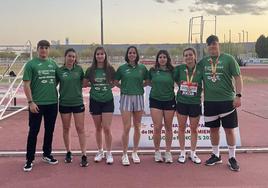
190, 78
214, 69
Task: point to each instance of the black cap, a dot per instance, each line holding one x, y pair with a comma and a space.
211, 39
43, 43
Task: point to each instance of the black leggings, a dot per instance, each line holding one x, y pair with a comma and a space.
50, 114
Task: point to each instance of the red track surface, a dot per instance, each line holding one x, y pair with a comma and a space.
254, 170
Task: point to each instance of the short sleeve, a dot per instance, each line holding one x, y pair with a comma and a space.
27, 75
118, 74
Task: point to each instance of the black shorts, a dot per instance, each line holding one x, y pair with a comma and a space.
220, 113
162, 105
191, 110
71, 109
97, 108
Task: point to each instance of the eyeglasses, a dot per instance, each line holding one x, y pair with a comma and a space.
43, 47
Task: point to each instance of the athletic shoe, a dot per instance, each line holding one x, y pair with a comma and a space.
135, 157
68, 157
168, 157
233, 165
109, 158
50, 160
28, 166
84, 162
125, 160
182, 158
99, 156
195, 159
158, 157
213, 160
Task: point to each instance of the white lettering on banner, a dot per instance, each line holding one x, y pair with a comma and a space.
146, 139
203, 139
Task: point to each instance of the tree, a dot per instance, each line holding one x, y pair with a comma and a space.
7, 55
261, 47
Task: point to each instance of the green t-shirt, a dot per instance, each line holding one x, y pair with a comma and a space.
70, 85
222, 89
162, 84
100, 90
132, 78
42, 74
188, 93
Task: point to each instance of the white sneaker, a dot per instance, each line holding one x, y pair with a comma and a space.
182, 159
158, 157
168, 157
125, 160
135, 157
195, 159
99, 156
109, 158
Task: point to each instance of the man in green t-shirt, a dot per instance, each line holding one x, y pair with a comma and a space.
221, 99
40, 90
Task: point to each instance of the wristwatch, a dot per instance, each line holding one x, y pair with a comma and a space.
238, 95
29, 102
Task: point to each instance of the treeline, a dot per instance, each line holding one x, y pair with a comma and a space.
261, 47
150, 52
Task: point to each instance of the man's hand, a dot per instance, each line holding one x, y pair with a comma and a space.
237, 102
33, 107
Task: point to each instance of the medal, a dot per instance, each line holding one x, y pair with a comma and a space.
213, 79
190, 78
214, 69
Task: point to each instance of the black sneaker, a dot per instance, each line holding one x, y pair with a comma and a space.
68, 157
213, 160
233, 165
28, 166
84, 162
50, 159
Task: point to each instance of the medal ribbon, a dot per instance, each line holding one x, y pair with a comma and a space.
214, 67
190, 78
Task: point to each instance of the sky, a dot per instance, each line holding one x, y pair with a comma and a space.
129, 21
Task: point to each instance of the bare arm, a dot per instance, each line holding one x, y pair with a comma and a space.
238, 89
117, 84
28, 92
86, 83
147, 83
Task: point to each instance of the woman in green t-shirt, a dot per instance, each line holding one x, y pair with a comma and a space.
132, 76
70, 77
188, 76
162, 102
100, 76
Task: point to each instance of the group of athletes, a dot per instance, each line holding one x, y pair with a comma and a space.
217, 74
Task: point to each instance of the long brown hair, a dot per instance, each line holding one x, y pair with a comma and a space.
169, 65
108, 69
